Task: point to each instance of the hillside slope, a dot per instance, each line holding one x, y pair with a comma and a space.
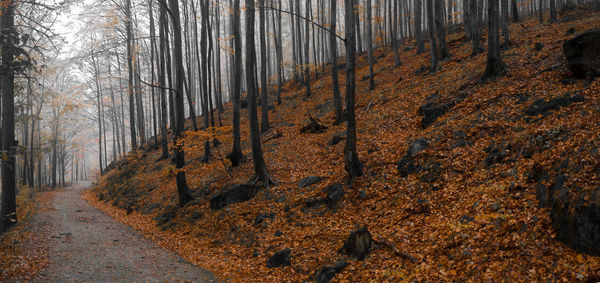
466, 205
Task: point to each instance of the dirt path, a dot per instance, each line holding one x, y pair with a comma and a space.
87, 245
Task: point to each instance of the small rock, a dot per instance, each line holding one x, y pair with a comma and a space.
335, 193
309, 181
538, 46
280, 258
328, 272
358, 244
235, 194
362, 195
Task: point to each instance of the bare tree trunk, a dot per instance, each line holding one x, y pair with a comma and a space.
495, 66
475, 27
435, 64
8, 212
161, 81
263, 70
552, 12
236, 156
440, 28
515, 10
505, 20
307, 49
261, 174
339, 112
418, 33
182, 186
130, 72
352, 163
370, 46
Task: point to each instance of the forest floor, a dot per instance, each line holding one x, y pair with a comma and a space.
81, 244
467, 210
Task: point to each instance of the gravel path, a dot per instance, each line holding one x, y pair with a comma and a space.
87, 245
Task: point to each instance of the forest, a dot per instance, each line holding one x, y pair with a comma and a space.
300, 140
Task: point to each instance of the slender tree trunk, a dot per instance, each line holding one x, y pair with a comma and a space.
418, 26
307, 49
236, 156
435, 64
515, 10
152, 53
505, 20
161, 81
475, 27
339, 112
130, 73
370, 46
263, 70
552, 12
205, 90
277, 33
8, 210
440, 28
100, 125
352, 163
182, 186
261, 174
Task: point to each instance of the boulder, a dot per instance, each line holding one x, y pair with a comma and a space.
583, 54
280, 258
358, 244
235, 194
575, 216
328, 272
